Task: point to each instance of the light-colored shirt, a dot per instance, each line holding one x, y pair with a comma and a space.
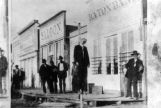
61, 67
135, 60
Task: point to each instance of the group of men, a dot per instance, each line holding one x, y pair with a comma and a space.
81, 62
50, 73
18, 78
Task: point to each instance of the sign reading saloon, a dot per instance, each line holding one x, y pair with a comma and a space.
52, 29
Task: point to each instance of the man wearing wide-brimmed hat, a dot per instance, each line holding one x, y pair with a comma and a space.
3, 67
62, 74
134, 69
81, 58
44, 75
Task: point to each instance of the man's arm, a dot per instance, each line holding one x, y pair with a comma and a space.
75, 55
128, 64
141, 67
88, 61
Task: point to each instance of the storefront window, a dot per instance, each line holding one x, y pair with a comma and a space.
127, 46
97, 59
108, 55
112, 55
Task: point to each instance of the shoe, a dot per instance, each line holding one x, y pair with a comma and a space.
136, 98
129, 97
85, 93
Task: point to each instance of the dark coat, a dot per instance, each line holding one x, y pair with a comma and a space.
54, 73
22, 75
63, 74
78, 56
3, 66
16, 75
44, 71
133, 72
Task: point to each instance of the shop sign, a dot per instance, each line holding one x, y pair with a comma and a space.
53, 30
108, 7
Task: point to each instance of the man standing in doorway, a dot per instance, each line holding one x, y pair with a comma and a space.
81, 58
44, 75
62, 74
134, 69
3, 68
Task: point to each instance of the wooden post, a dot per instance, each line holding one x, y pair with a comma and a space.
144, 25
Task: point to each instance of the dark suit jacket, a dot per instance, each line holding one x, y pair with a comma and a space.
78, 56
134, 71
3, 66
54, 72
63, 74
44, 71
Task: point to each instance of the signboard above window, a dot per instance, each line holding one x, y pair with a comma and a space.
52, 29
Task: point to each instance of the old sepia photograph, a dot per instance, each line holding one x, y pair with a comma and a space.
80, 53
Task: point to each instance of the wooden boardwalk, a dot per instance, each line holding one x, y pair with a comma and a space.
74, 99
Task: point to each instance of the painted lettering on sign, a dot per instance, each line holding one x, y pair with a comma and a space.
108, 7
54, 29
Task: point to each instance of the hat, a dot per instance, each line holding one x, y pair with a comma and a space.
84, 39
43, 61
135, 53
60, 57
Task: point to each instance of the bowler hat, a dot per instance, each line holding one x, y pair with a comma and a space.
43, 61
60, 57
135, 53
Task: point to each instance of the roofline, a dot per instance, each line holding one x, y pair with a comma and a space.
63, 11
28, 26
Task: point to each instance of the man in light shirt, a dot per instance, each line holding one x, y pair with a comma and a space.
62, 74
134, 70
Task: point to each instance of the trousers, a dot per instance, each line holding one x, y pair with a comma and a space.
132, 82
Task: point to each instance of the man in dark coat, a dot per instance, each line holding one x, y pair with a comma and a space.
134, 69
3, 67
53, 77
44, 75
62, 74
22, 77
16, 78
81, 58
